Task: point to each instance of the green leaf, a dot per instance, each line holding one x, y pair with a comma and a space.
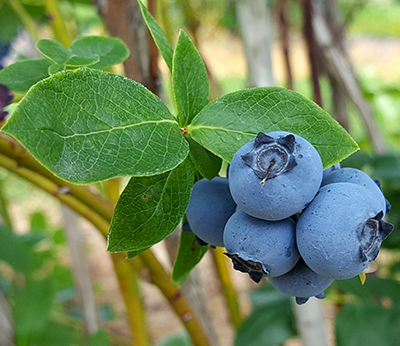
17, 250
20, 76
203, 160
88, 125
94, 51
266, 296
32, 311
189, 80
164, 46
150, 208
375, 288
78, 61
61, 335
271, 321
178, 339
367, 325
111, 51
10, 23
232, 120
38, 222
55, 68
189, 254
54, 51
100, 338
131, 254
386, 166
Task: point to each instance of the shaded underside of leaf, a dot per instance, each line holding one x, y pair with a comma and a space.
271, 321
231, 121
150, 208
77, 61
31, 310
88, 125
367, 324
131, 254
20, 76
203, 160
189, 254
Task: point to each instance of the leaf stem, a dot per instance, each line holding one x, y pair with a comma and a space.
128, 280
57, 22
227, 287
4, 215
12, 149
25, 18
55, 190
175, 298
158, 274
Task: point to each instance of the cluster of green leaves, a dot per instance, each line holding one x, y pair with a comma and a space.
370, 314
87, 125
271, 321
47, 287
95, 51
10, 22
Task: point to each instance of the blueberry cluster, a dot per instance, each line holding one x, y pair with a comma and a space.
279, 214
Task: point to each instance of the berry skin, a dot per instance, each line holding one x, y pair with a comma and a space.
302, 283
275, 175
388, 206
355, 176
260, 247
210, 207
330, 169
341, 230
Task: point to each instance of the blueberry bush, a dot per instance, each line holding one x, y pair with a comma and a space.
282, 212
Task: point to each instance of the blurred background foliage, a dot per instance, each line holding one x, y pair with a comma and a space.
35, 273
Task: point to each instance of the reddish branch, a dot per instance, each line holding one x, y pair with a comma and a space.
284, 28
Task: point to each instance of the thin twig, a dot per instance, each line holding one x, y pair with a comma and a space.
228, 289
57, 22
158, 274
175, 298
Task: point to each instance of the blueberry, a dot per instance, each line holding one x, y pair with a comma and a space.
302, 283
210, 207
260, 247
330, 169
275, 175
341, 230
388, 205
355, 176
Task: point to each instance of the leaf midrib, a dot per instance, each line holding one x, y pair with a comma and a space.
107, 130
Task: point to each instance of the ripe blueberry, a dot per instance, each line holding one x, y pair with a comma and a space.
275, 175
330, 170
302, 283
355, 176
210, 207
341, 230
260, 247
